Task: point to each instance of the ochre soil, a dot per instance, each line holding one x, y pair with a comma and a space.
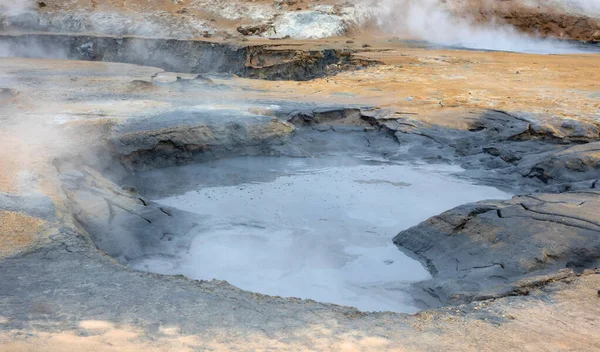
431, 84
18, 232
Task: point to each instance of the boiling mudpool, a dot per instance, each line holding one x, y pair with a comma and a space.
315, 228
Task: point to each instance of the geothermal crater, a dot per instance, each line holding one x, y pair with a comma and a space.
311, 214
305, 202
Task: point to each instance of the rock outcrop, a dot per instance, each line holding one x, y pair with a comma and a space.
123, 224
186, 56
195, 135
510, 150
488, 249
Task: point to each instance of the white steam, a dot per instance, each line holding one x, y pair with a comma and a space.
430, 20
589, 7
15, 7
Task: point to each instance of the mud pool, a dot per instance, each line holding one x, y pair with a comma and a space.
314, 228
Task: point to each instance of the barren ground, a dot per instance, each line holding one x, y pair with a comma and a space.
52, 300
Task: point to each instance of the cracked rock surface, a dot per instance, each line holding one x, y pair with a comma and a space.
483, 250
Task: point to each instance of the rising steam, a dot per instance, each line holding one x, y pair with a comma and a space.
15, 7
430, 20
591, 7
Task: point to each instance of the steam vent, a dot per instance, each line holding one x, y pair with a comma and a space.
299, 175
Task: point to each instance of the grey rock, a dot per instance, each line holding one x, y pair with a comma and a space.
518, 152
484, 249
573, 164
123, 224
36, 204
162, 140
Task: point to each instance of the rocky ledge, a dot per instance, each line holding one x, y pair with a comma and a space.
493, 249
263, 61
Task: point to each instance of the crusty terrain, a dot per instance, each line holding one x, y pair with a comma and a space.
507, 275
401, 85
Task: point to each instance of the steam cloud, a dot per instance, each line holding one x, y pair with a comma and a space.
429, 20
15, 7
590, 6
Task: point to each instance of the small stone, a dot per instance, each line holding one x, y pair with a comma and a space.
366, 46
6, 93
349, 41
129, 188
